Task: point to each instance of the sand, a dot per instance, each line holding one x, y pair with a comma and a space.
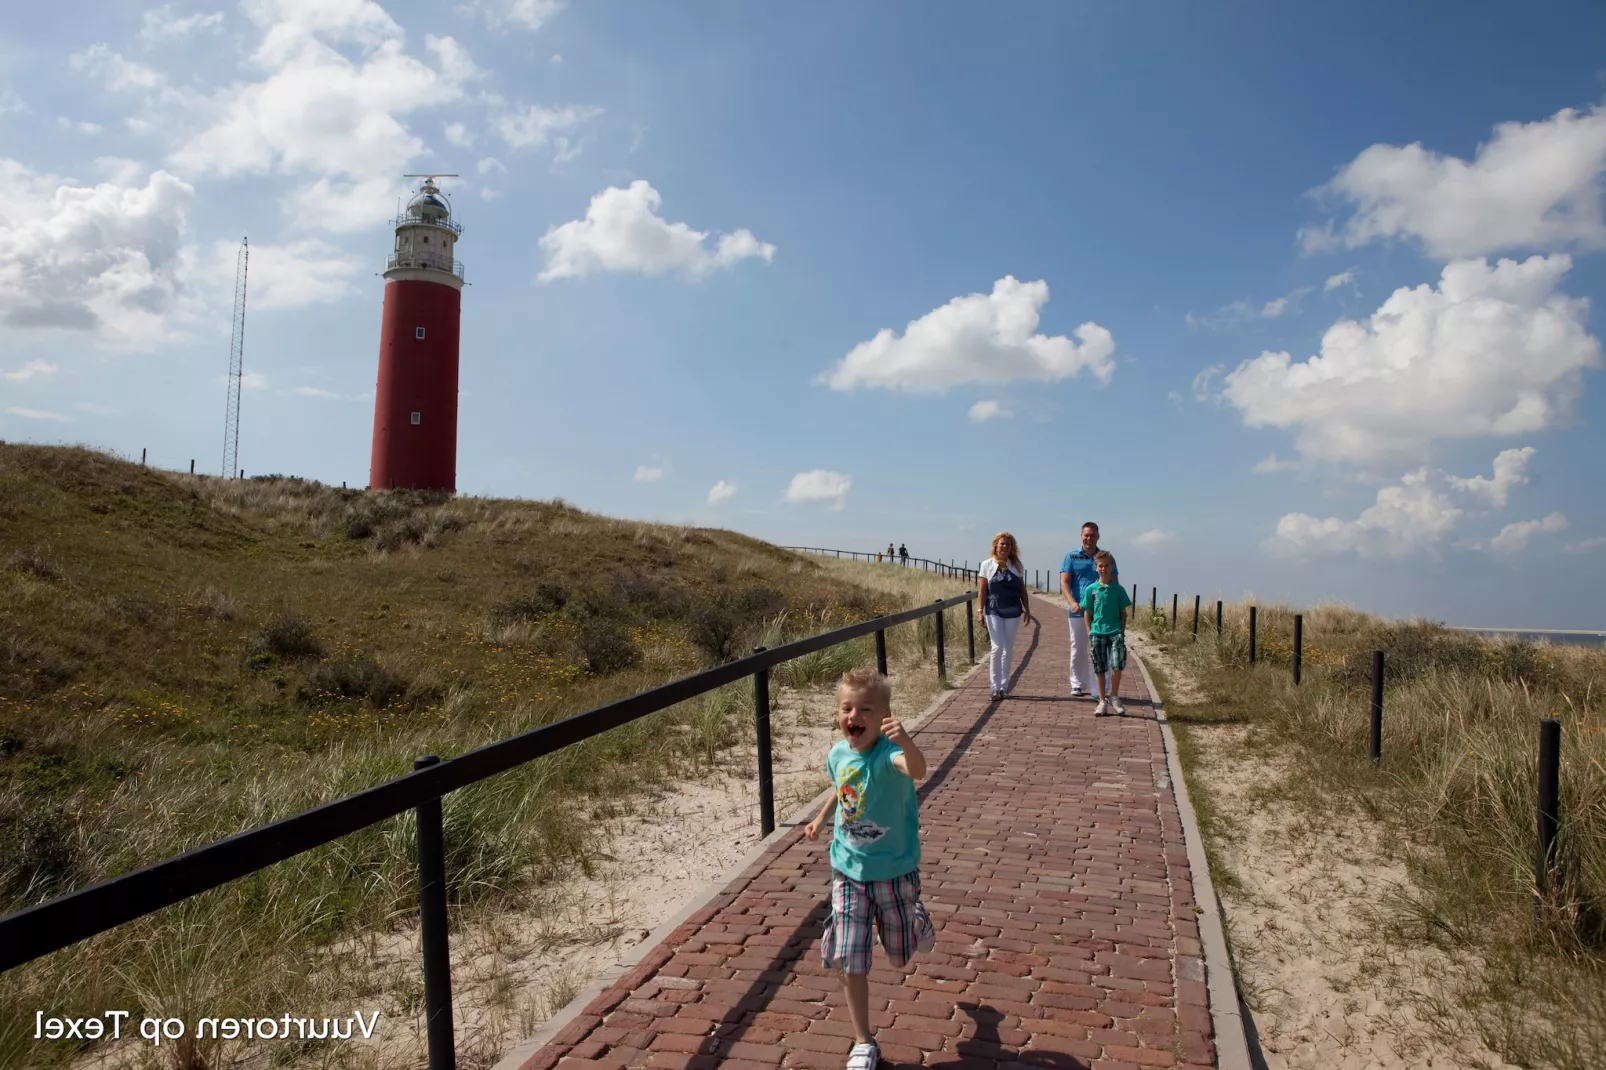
1326, 990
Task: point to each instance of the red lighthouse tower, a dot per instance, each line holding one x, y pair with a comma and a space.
415, 400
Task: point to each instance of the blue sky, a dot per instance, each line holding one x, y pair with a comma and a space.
1298, 302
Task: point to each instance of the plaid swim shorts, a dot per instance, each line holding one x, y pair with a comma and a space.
854, 904
1109, 652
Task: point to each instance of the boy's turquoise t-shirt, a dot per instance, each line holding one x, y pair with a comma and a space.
877, 834
1104, 603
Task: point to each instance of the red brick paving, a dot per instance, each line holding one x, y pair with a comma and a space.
1053, 866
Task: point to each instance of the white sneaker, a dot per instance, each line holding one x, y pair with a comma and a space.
1118, 706
864, 1056
1101, 709
925, 934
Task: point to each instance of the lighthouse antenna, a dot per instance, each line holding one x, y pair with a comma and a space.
231, 412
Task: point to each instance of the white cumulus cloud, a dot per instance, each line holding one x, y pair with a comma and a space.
291, 275
819, 485
1586, 546
645, 474
1516, 536
721, 491
29, 370
978, 338
325, 97
1532, 185
1343, 278
1492, 351
1416, 514
988, 410
534, 126
1154, 538
622, 231
528, 14
106, 258
37, 414
164, 24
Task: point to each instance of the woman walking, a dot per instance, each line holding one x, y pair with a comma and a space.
1003, 607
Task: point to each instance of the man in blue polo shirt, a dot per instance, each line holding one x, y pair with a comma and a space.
1077, 573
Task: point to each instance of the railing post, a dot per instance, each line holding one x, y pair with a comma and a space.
1218, 620
1173, 611
1196, 599
761, 723
1134, 601
1254, 612
1299, 645
433, 938
1549, 804
1375, 743
881, 651
1154, 600
942, 656
970, 627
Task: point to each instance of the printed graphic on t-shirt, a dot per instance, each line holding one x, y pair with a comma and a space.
850, 802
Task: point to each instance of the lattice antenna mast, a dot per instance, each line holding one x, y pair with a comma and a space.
231, 416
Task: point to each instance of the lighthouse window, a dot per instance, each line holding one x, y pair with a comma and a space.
418, 418
418, 333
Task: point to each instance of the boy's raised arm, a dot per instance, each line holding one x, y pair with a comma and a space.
911, 763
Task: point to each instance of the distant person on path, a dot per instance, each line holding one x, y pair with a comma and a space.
903, 554
1003, 606
891, 553
1105, 604
875, 848
1076, 573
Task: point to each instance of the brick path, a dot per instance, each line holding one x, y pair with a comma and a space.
1053, 867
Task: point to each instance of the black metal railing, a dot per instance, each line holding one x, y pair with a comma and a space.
1549, 770
58, 923
958, 570
1044, 580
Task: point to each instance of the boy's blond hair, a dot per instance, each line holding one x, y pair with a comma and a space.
865, 678
1103, 555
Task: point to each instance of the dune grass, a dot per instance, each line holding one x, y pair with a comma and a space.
183, 657
1456, 791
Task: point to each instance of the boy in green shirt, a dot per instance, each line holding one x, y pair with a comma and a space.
1106, 605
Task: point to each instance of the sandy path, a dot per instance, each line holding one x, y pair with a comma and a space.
1326, 991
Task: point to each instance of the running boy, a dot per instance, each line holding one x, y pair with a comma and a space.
875, 850
1106, 606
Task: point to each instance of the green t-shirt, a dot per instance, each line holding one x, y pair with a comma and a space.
1104, 603
877, 815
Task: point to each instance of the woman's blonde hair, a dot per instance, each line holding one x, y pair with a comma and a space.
1014, 549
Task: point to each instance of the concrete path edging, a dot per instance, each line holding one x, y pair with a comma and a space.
1226, 1012
516, 1056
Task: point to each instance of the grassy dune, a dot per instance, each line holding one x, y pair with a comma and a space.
182, 657
1456, 791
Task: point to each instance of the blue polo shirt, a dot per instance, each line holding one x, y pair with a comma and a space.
1084, 573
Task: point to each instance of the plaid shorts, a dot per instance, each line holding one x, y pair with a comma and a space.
847, 942
1109, 652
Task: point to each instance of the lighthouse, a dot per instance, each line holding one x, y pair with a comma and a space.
415, 398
